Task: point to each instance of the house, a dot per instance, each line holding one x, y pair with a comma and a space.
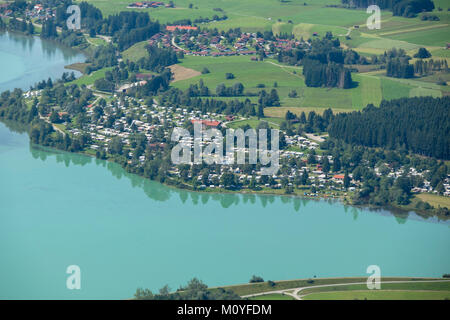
173, 28
207, 123
144, 76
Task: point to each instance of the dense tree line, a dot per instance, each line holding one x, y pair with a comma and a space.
404, 8
426, 67
126, 28
194, 290
101, 57
420, 125
20, 26
323, 62
399, 68
158, 59
326, 75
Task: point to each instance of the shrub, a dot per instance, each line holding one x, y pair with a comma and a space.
256, 279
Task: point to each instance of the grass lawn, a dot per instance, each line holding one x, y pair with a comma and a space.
372, 86
402, 291
136, 52
435, 200
273, 296
441, 53
380, 295
306, 30
393, 89
430, 37
96, 41
90, 79
251, 288
369, 91
250, 15
274, 123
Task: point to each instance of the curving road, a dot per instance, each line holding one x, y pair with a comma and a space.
295, 293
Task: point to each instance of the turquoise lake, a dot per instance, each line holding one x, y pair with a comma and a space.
59, 209
26, 60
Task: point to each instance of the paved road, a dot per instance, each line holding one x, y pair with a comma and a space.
315, 138
295, 293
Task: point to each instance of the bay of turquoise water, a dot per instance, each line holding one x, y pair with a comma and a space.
59, 209
26, 60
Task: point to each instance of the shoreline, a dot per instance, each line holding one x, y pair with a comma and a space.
392, 209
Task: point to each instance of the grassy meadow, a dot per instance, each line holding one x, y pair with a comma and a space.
371, 87
302, 20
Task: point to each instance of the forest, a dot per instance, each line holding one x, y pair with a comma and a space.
323, 62
420, 125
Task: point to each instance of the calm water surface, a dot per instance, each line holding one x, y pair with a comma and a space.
59, 209
26, 60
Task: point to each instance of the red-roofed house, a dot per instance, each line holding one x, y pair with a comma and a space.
173, 28
207, 123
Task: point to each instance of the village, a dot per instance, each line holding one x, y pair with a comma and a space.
190, 40
150, 4
301, 162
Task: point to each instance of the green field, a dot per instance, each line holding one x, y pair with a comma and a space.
371, 87
248, 15
273, 296
90, 79
430, 37
435, 200
260, 287
306, 30
302, 20
380, 295
136, 52
412, 289
274, 123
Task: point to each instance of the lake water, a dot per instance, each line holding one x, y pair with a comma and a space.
123, 231
59, 209
26, 60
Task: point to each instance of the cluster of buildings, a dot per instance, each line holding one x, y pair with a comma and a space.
205, 43
156, 122
149, 4
4, 11
40, 12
